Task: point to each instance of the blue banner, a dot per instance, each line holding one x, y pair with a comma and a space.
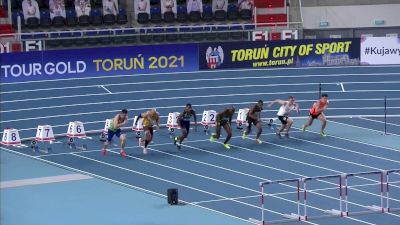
112, 61
293, 53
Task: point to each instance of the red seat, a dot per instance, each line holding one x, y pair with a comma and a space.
269, 3
272, 18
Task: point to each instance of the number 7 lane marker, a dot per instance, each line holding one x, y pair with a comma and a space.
108, 91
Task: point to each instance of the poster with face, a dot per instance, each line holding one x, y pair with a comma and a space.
30, 9
168, 6
82, 7
141, 6
245, 4
194, 6
57, 8
219, 5
110, 7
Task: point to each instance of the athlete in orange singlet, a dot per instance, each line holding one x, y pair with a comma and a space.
317, 112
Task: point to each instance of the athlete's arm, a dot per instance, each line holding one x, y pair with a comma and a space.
194, 117
280, 101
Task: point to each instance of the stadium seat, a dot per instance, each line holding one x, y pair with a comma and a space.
222, 35
172, 35
233, 13
184, 35
132, 38
122, 18
58, 21
45, 20
105, 37
158, 34
32, 22
71, 19
236, 32
91, 40
245, 14
66, 38
207, 13
96, 17
119, 38
169, 17
53, 40
143, 18
220, 15
248, 29
144, 36
15, 15
194, 16
155, 15
109, 19
182, 14
198, 33
210, 33
84, 20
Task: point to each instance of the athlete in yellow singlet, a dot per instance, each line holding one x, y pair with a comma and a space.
151, 118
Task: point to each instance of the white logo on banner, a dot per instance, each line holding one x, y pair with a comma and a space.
380, 50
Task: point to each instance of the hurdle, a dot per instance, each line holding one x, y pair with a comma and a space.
293, 216
334, 212
388, 173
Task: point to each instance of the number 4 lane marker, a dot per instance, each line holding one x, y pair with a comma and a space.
108, 91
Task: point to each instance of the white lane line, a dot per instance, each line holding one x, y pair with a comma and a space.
355, 141
345, 149
219, 71
180, 89
197, 96
117, 182
43, 180
192, 80
172, 182
108, 91
341, 85
364, 128
216, 195
377, 121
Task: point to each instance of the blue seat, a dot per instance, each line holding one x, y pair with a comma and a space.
122, 17
236, 31
144, 36
96, 17
158, 34
45, 20
233, 13
172, 34
54, 40
155, 15
184, 34
71, 18
207, 13
222, 34
210, 33
198, 33
182, 14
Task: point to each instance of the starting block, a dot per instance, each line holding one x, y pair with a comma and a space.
139, 127
44, 133
241, 118
209, 118
172, 122
11, 137
103, 135
76, 130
